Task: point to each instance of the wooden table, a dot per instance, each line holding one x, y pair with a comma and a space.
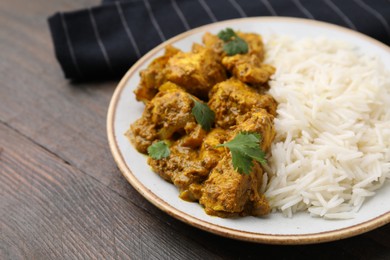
62, 195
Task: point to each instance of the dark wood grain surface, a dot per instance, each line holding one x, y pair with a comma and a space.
62, 196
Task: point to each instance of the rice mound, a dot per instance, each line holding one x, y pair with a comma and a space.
332, 148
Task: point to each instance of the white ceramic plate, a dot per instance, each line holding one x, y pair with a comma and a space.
274, 229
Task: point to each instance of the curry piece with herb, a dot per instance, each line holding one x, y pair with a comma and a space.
154, 76
232, 98
207, 123
227, 193
196, 71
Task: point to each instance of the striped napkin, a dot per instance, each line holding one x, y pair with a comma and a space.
104, 41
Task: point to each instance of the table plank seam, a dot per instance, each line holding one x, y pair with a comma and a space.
73, 166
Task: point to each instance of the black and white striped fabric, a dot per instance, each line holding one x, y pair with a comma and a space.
104, 41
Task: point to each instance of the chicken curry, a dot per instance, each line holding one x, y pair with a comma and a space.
233, 88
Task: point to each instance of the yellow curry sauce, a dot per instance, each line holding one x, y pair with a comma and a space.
233, 87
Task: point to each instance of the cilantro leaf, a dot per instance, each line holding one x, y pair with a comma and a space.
233, 44
242, 164
257, 154
245, 147
226, 35
159, 150
203, 114
236, 46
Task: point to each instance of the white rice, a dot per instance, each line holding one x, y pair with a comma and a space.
332, 148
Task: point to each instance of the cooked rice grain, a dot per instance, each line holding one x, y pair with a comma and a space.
332, 148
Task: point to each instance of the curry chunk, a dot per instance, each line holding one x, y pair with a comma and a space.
168, 113
255, 44
188, 167
197, 72
171, 112
248, 69
258, 121
254, 41
183, 169
212, 42
153, 76
142, 133
227, 193
232, 98
209, 153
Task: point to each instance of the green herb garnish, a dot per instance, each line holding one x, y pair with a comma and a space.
203, 114
159, 150
227, 34
245, 147
232, 43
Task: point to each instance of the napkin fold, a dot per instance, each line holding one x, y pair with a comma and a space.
104, 41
